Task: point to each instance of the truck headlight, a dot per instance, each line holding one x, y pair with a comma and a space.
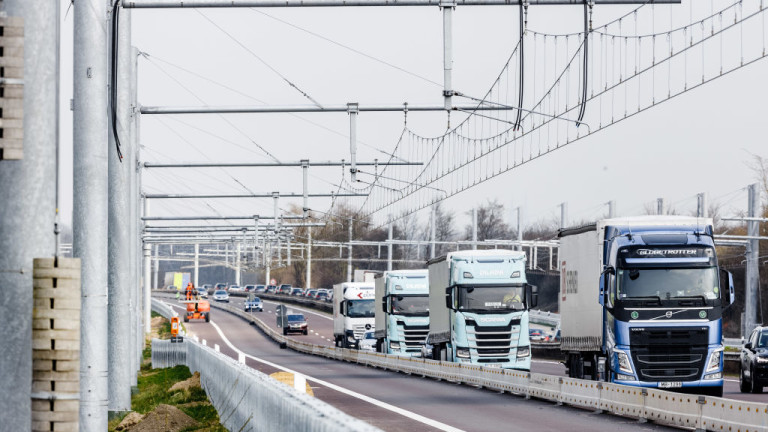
714, 360
624, 364
395, 346
524, 351
351, 338
462, 352
762, 359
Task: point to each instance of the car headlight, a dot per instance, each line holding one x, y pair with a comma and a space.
524, 351
714, 360
394, 345
462, 352
762, 359
624, 364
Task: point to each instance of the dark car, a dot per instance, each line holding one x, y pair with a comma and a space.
754, 362
220, 286
297, 291
311, 293
295, 323
321, 295
271, 289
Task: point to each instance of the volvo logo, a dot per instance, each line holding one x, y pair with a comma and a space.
668, 314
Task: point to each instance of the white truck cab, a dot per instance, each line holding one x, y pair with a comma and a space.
353, 312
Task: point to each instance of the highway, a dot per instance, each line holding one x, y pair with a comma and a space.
394, 401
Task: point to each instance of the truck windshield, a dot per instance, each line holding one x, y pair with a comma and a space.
410, 305
668, 283
360, 308
497, 298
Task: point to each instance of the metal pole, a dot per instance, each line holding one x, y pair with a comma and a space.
611, 209
352, 109
474, 228
301, 163
751, 296
660, 206
433, 233
269, 195
389, 247
267, 259
263, 109
237, 266
121, 302
701, 205
305, 213
156, 285
288, 251
519, 228
563, 215
90, 204
28, 201
349, 253
147, 277
197, 265
447, 6
309, 257
331, 3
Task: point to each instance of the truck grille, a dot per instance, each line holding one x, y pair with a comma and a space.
413, 336
359, 331
669, 354
493, 343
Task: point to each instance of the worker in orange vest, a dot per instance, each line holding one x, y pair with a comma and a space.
190, 290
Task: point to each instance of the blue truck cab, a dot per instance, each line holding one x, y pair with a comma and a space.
641, 303
478, 308
402, 312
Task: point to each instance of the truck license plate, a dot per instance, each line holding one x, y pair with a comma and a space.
670, 384
493, 365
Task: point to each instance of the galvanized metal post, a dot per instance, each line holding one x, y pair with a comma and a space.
197, 264
611, 209
660, 206
155, 284
90, 204
701, 205
122, 332
349, 253
751, 297
474, 228
28, 203
448, 6
309, 257
305, 211
237, 265
389, 246
267, 259
519, 229
147, 277
563, 215
433, 232
288, 249
353, 110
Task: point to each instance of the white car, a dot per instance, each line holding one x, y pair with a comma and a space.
235, 288
221, 295
368, 342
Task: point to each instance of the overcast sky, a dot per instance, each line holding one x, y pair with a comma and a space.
701, 141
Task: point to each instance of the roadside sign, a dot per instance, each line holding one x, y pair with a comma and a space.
272, 282
175, 331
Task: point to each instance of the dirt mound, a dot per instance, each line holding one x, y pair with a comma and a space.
164, 418
129, 421
156, 323
191, 382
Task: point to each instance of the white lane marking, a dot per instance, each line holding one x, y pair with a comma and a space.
411, 415
547, 362
303, 310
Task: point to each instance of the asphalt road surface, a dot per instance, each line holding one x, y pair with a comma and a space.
393, 401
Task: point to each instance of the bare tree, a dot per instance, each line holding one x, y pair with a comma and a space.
490, 223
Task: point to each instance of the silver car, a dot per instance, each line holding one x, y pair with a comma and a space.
221, 296
368, 342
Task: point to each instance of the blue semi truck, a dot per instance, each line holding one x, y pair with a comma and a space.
402, 312
641, 302
478, 308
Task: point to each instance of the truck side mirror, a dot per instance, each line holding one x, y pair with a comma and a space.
727, 296
448, 298
532, 295
748, 345
384, 305
343, 307
605, 290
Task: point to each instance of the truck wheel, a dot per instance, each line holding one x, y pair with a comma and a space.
208, 317
186, 318
305, 332
756, 388
285, 332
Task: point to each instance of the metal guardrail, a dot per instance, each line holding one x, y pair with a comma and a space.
659, 406
542, 317
246, 398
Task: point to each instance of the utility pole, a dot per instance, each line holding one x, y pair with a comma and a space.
147, 276
474, 228
197, 265
305, 210
751, 295
349, 253
520, 228
660, 206
28, 195
90, 204
611, 209
433, 229
701, 205
237, 265
353, 110
447, 6
563, 215
121, 289
389, 246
